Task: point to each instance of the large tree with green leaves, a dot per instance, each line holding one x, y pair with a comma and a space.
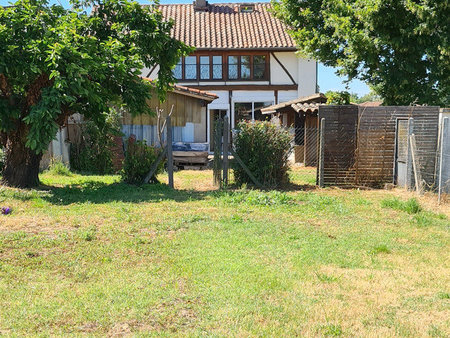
399, 47
55, 62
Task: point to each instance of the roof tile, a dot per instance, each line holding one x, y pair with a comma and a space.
223, 26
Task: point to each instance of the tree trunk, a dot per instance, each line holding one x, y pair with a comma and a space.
21, 168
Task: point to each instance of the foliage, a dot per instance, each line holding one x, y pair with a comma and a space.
57, 167
56, 61
338, 97
371, 96
93, 152
139, 158
264, 148
399, 47
411, 206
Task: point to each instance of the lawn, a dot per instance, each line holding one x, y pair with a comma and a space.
88, 255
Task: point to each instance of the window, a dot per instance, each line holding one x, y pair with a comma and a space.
190, 67
217, 67
211, 67
178, 70
204, 68
247, 67
246, 111
233, 62
259, 67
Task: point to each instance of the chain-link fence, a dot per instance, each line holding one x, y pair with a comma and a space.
305, 139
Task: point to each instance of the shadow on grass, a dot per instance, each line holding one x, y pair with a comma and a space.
99, 192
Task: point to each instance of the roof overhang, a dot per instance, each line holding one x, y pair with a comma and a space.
191, 92
302, 104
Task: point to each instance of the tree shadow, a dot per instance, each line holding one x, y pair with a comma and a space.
99, 192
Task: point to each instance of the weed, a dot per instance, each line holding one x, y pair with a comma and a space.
421, 220
59, 168
410, 206
88, 234
443, 295
332, 330
379, 249
326, 278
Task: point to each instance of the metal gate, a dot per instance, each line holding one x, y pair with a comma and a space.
401, 161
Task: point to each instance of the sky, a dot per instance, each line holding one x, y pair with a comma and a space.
327, 78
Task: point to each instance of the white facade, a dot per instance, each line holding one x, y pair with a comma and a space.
286, 69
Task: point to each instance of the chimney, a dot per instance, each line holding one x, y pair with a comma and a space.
201, 5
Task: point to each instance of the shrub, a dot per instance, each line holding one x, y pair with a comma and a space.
58, 168
264, 148
93, 153
139, 159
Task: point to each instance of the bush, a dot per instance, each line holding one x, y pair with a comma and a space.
264, 148
58, 168
93, 153
139, 159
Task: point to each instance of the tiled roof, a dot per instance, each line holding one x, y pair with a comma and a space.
200, 94
223, 26
301, 104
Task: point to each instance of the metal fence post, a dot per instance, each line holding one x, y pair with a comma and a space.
409, 161
321, 151
444, 136
169, 151
226, 135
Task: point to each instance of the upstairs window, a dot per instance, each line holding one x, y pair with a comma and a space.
222, 67
190, 67
247, 67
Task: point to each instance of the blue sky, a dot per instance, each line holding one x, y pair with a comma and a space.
328, 80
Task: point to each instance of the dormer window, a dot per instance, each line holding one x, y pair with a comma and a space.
247, 8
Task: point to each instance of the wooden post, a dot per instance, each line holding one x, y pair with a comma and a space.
444, 136
169, 151
321, 151
409, 168
415, 162
226, 135
155, 165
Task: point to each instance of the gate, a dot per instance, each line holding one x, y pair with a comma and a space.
401, 160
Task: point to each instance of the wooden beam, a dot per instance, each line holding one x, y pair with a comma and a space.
240, 87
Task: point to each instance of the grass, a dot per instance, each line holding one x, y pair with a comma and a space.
88, 255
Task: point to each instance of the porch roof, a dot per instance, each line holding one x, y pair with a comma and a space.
302, 104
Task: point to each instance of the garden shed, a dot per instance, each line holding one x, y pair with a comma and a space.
373, 146
301, 115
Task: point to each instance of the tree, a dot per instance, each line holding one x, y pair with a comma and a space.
399, 47
56, 61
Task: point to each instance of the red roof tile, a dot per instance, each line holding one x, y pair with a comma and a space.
223, 26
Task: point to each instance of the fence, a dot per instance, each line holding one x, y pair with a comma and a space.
361, 146
306, 144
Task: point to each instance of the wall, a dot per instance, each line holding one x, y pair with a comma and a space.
58, 149
290, 61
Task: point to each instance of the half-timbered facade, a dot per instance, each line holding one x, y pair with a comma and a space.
243, 54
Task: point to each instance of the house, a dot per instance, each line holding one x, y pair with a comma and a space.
243, 54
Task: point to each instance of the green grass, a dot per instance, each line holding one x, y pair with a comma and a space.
88, 255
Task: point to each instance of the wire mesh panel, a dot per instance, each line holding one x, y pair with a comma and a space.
306, 142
